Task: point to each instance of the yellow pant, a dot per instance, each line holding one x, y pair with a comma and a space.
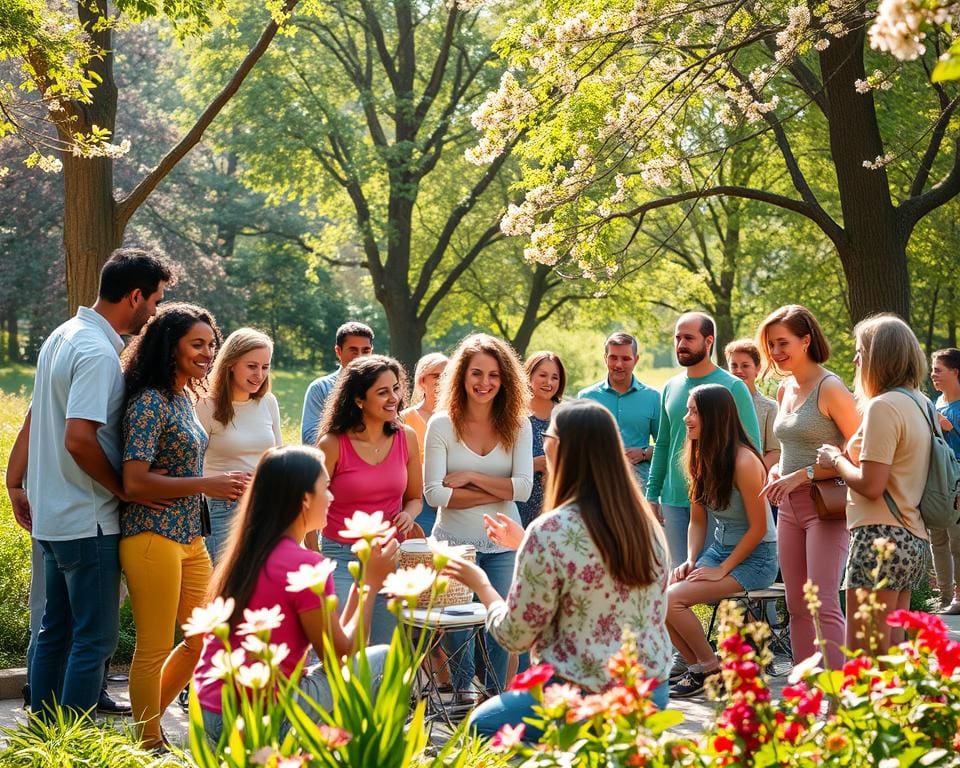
167, 580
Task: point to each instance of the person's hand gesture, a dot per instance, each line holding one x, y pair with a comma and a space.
503, 530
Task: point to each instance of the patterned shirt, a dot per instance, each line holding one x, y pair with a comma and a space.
571, 613
532, 507
166, 434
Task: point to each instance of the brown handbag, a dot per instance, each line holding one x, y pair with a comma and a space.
830, 498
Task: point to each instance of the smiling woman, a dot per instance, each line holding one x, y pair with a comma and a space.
161, 546
374, 466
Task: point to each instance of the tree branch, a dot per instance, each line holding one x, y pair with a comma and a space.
126, 207
947, 109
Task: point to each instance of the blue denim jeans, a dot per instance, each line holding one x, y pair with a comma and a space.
427, 518
222, 512
676, 521
512, 707
499, 569
383, 622
81, 621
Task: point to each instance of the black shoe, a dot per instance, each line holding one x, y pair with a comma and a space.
183, 699
689, 685
678, 670
25, 691
108, 706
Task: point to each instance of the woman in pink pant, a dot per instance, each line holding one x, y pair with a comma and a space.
814, 407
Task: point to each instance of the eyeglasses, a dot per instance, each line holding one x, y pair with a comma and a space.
547, 434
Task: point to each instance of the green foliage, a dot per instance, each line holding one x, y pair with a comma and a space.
69, 741
14, 549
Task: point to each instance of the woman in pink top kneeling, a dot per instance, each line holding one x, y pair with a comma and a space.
374, 466
288, 497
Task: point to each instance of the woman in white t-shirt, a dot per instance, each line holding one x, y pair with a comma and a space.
241, 417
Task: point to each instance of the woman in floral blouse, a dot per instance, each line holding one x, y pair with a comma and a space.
161, 550
594, 566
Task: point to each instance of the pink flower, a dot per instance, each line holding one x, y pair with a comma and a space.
507, 737
533, 677
334, 737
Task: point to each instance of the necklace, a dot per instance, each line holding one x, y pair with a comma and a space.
369, 444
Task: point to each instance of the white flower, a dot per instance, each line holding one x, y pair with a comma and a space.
260, 620
365, 526
272, 653
444, 551
254, 676
805, 668
209, 618
223, 664
310, 576
409, 582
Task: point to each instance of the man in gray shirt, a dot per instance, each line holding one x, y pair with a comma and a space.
68, 452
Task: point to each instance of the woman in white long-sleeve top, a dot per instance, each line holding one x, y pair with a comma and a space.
478, 461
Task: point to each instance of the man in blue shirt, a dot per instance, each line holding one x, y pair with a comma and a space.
635, 406
945, 374
353, 341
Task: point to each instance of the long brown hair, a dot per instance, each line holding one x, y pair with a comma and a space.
238, 343
341, 414
592, 472
509, 410
272, 502
711, 458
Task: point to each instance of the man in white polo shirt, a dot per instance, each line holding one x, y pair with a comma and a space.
68, 451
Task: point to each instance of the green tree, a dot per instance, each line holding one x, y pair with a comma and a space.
366, 109
652, 89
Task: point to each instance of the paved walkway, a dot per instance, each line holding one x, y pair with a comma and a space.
698, 711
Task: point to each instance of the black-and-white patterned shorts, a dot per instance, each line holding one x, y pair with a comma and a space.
903, 571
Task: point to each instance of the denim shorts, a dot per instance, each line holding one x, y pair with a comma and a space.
758, 571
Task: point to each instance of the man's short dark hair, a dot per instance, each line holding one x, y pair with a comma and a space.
620, 339
354, 329
707, 326
130, 268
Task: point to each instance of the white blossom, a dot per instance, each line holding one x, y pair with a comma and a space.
260, 620
209, 618
312, 577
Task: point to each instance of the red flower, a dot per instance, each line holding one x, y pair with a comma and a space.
948, 657
533, 677
722, 744
793, 731
810, 704
792, 692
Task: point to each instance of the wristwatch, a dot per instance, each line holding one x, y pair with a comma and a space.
809, 471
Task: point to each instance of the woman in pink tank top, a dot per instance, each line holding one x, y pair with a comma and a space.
374, 465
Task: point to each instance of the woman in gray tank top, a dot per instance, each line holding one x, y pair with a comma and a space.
814, 408
726, 477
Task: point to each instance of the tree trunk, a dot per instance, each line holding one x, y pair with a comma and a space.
406, 330
539, 286
90, 233
13, 336
874, 259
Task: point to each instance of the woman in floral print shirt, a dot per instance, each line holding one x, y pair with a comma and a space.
161, 549
587, 571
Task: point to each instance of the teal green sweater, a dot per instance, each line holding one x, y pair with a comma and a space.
668, 482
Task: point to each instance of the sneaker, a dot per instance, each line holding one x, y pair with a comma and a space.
953, 609
183, 699
690, 684
679, 668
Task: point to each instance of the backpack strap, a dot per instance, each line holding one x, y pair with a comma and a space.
925, 410
894, 509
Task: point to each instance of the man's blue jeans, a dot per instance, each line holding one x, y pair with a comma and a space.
499, 569
81, 621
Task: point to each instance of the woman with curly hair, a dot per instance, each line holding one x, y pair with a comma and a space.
479, 461
241, 417
162, 552
373, 463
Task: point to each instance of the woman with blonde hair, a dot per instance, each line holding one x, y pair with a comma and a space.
814, 407
479, 461
885, 468
592, 566
426, 390
241, 417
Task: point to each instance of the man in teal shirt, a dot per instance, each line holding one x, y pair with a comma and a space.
635, 406
667, 485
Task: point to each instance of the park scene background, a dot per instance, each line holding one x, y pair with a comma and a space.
545, 172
